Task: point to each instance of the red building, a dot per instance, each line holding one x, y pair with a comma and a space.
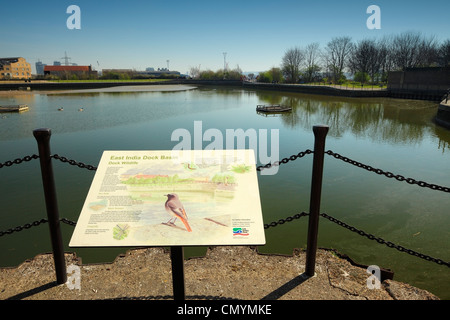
68, 72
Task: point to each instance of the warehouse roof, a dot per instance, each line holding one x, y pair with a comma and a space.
67, 68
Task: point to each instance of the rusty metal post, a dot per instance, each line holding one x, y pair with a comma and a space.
177, 257
43, 140
320, 133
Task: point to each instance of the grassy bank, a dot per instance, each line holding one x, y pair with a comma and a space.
349, 85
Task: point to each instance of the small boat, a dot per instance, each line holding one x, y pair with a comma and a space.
61, 109
273, 108
14, 108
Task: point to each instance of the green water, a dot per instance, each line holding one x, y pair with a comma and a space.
394, 135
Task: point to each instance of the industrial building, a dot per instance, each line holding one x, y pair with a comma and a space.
14, 68
148, 73
67, 72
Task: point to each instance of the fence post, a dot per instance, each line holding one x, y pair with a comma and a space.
320, 133
43, 140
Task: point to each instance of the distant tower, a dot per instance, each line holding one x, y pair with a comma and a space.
40, 67
66, 59
224, 61
168, 65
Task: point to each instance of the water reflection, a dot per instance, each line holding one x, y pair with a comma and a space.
396, 121
100, 110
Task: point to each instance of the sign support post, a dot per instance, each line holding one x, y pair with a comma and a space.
177, 258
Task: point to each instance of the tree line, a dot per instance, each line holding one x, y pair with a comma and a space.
368, 60
221, 74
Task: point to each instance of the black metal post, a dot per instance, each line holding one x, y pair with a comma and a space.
43, 140
177, 257
320, 133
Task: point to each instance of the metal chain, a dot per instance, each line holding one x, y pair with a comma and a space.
69, 222
387, 173
34, 224
285, 160
387, 243
274, 224
74, 163
283, 221
362, 233
20, 228
18, 161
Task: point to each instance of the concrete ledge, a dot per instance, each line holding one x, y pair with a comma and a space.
223, 273
443, 114
322, 90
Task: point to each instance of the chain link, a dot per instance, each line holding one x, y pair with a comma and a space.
74, 163
69, 222
285, 160
19, 161
387, 243
388, 174
283, 221
20, 228
33, 224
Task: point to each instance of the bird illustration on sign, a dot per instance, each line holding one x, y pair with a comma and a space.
175, 209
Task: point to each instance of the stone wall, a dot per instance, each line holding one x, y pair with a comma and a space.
416, 83
322, 90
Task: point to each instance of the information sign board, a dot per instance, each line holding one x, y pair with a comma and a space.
172, 198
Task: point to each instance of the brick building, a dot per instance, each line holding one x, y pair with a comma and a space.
14, 68
66, 72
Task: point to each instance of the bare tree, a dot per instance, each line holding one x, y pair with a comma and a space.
412, 49
361, 56
405, 49
428, 52
444, 54
312, 56
365, 59
338, 51
385, 56
291, 64
195, 72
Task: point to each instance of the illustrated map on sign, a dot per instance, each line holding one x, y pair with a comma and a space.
166, 198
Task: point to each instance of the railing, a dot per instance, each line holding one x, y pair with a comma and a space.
43, 139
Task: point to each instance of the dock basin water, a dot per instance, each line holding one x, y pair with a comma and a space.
391, 134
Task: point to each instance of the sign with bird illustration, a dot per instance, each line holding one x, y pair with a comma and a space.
170, 198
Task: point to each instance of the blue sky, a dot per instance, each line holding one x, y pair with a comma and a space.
254, 33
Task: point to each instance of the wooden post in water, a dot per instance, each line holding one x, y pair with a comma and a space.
43, 140
320, 133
